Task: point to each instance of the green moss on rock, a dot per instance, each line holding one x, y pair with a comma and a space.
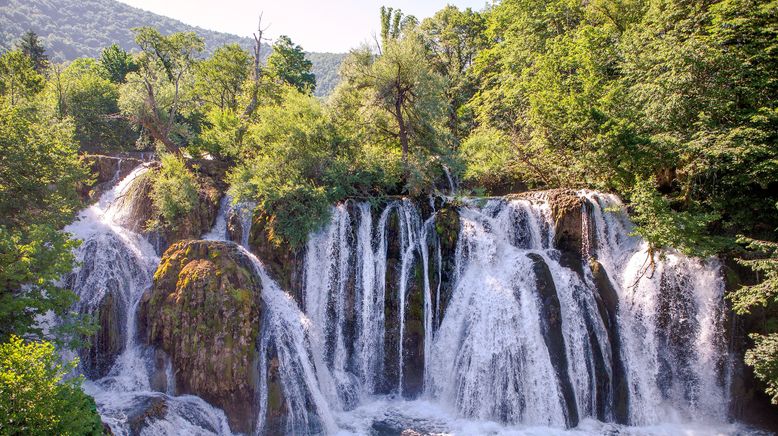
204, 311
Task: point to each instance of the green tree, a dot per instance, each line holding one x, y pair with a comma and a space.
220, 79
37, 397
31, 46
398, 93
38, 176
453, 38
174, 190
82, 93
394, 23
288, 64
762, 258
154, 97
117, 63
290, 152
764, 358
18, 78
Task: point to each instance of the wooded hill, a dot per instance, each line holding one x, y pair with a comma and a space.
71, 29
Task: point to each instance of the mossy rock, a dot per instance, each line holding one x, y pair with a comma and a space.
204, 311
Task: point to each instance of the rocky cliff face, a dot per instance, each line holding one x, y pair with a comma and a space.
204, 311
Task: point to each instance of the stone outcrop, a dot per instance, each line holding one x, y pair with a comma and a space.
204, 311
283, 262
551, 325
567, 216
447, 232
106, 171
141, 212
108, 341
608, 306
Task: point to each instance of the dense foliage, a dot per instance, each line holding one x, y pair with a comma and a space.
174, 191
36, 395
38, 176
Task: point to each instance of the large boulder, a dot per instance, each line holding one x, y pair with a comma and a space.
204, 312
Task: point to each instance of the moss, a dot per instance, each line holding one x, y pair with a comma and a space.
203, 300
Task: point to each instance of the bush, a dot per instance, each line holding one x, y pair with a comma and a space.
174, 190
36, 398
764, 358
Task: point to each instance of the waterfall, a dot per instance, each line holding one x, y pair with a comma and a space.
346, 294
287, 335
115, 267
672, 322
400, 327
524, 339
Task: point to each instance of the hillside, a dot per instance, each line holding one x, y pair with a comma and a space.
76, 28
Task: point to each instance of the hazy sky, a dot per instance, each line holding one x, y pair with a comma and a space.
330, 26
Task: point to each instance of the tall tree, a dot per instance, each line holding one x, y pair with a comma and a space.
453, 38
83, 93
288, 64
220, 80
398, 83
31, 45
38, 175
153, 96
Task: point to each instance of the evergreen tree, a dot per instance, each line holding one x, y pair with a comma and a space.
30, 45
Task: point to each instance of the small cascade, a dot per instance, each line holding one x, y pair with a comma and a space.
452, 187
303, 376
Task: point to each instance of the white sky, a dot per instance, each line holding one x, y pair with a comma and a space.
323, 26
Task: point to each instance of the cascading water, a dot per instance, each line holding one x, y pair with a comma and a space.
496, 333
525, 339
115, 268
671, 321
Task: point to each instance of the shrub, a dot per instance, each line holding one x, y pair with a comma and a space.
174, 190
37, 398
764, 358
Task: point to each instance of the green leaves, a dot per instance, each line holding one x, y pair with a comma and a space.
117, 63
18, 79
37, 397
39, 171
663, 227
174, 190
288, 64
764, 359
762, 258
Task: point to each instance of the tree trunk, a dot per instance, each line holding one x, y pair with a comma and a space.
257, 70
398, 106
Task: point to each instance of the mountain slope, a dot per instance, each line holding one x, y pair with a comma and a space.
76, 28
